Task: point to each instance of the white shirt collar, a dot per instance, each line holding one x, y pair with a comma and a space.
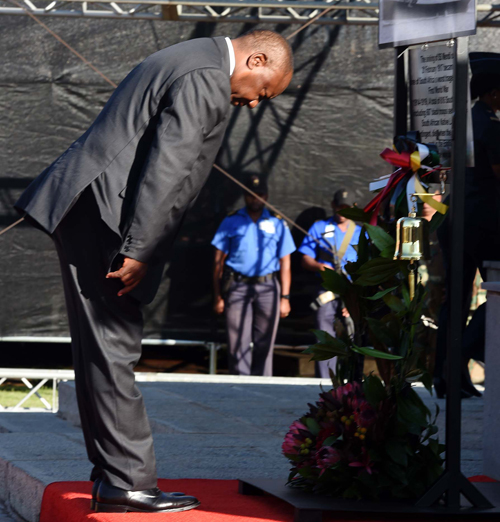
232, 59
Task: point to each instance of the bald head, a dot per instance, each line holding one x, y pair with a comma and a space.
264, 67
278, 50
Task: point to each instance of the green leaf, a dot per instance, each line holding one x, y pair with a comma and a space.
427, 381
326, 338
378, 264
412, 410
388, 252
334, 282
327, 347
381, 294
330, 440
395, 471
371, 352
323, 352
394, 303
374, 390
379, 237
363, 248
397, 452
436, 221
313, 426
376, 271
355, 213
406, 295
380, 331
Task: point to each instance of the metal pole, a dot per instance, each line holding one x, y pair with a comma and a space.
455, 302
400, 93
453, 483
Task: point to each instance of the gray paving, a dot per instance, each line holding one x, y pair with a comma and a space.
5, 515
201, 430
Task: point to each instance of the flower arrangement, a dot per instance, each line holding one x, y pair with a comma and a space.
370, 437
359, 441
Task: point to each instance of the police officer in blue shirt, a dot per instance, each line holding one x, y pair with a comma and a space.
252, 278
338, 235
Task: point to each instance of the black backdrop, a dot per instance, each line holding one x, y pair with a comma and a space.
323, 133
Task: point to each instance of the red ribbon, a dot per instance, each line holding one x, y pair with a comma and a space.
395, 158
375, 203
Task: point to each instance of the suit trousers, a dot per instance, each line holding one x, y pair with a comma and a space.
480, 245
252, 315
106, 333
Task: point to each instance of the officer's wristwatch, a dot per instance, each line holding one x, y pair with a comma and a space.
285, 296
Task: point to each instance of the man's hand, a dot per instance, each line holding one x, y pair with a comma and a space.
219, 306
345, 312
284, 307
130, 274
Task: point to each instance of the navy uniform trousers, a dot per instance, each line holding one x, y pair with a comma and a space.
252, 315
106, 332
325, 320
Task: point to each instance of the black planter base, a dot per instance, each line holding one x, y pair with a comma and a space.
310, 508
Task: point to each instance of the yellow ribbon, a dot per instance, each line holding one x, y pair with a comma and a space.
429, 198
415, 160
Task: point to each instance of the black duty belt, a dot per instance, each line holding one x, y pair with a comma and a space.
240, 278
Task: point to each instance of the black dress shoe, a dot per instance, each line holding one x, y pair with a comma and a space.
111, 499
440, 389
95, 487
97, 483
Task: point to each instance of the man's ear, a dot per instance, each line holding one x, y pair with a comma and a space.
258, 59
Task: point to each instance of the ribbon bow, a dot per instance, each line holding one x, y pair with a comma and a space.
410, 157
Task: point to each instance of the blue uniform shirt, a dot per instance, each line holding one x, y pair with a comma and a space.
254, 249
327, 230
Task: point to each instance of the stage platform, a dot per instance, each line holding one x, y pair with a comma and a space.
221, 501
202, 430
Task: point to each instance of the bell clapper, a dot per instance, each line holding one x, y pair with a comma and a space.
412, 268
442, 178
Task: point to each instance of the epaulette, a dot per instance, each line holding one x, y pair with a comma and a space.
232, 213
276, 215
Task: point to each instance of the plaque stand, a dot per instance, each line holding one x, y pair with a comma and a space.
452, 495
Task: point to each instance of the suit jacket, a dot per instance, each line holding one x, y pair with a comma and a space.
147, 155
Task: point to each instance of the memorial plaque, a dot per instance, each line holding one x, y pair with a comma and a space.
431, 96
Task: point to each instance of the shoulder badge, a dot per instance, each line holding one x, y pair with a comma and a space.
276, 215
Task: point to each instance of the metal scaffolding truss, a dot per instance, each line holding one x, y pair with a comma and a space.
354, 12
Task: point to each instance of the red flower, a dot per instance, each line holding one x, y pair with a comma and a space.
296, 436
327, 430
364, 415
364, 463
327, 457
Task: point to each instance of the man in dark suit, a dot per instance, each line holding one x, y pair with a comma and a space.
113, 203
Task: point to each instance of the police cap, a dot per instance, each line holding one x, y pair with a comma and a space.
485, 69
343, 198
257, 184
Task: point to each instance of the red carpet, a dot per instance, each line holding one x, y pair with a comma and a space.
220, 502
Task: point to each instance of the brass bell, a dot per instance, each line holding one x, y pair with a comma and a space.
412, 238
412, 243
